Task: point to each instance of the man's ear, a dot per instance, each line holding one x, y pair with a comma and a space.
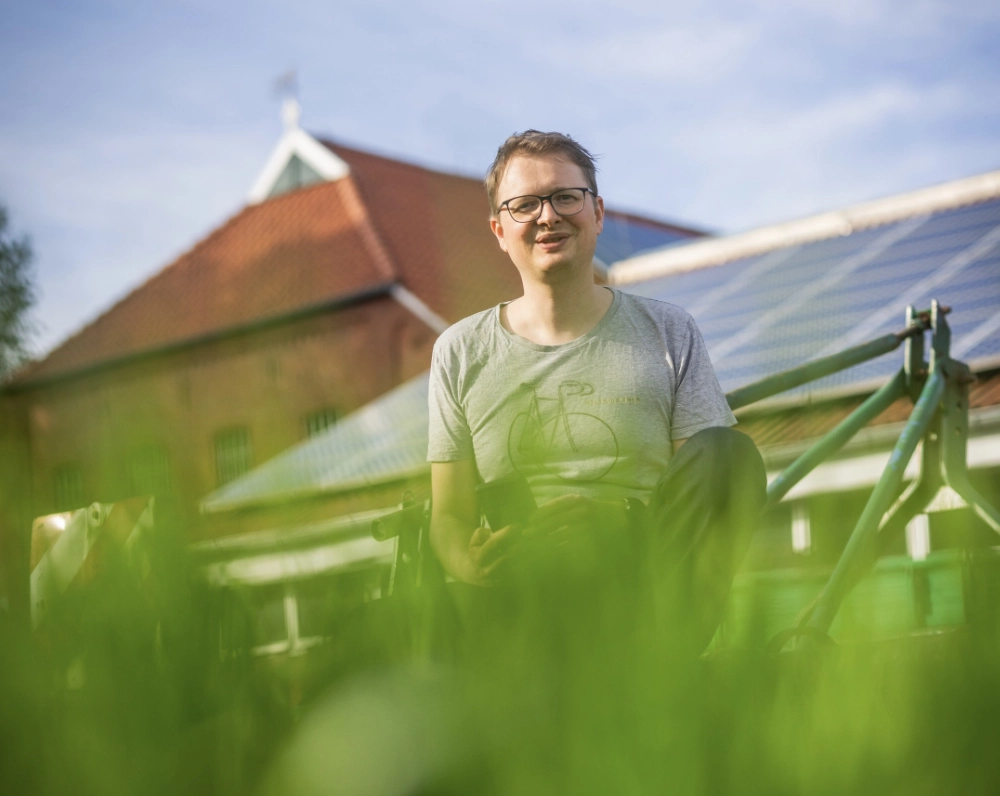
497, 228
599, 211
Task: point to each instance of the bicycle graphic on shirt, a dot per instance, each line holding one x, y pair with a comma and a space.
574, 446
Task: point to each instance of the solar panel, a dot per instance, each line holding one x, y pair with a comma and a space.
624, 237
770, 312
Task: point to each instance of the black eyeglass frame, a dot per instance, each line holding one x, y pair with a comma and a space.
541, 203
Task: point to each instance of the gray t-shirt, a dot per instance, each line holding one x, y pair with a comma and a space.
594, 416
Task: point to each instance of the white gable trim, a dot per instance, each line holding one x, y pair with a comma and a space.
297, 142
715, 251
415, 305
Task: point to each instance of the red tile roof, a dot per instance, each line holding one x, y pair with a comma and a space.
271, 258
436, 227
385, 221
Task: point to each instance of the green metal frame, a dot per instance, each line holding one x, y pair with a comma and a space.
940, 418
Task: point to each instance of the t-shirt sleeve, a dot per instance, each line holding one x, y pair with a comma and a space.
699, 402
448, 438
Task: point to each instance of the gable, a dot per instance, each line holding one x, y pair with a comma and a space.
297, 160
296, 174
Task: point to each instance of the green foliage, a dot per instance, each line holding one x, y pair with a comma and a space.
564, 688
145, 682
17, 295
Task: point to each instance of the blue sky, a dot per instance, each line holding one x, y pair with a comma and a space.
129, 130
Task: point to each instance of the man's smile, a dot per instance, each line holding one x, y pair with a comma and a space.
552, 240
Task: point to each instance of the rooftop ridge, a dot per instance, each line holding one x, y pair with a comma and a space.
369, 231
831, 224
344, 152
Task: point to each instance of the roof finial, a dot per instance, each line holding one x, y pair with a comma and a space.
287, 87
290, 113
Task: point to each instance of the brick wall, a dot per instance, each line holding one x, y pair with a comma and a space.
96, 436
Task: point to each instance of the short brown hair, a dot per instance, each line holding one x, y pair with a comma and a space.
534, 143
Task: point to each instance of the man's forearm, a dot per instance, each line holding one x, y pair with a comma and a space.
450, 541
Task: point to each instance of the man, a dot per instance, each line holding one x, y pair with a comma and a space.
588, 392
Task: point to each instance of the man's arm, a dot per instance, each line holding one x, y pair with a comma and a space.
474, 554
466, 551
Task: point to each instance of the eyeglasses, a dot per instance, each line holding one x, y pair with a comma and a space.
565, 201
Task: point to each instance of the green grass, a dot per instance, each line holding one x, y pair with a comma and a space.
127, 690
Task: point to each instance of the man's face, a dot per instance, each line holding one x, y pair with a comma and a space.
551, 246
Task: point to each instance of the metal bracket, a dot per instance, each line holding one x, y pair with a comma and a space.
940, 420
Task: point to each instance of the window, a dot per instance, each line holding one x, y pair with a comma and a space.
67, 482
149, 471
297, 174
320, 421
233, 454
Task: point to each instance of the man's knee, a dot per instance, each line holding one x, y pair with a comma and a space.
722, 439
725, 457
723, 444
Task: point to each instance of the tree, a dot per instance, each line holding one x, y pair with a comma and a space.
17, 295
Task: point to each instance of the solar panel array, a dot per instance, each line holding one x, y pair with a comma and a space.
767, 313
625, 237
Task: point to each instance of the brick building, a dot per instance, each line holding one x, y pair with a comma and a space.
325, 291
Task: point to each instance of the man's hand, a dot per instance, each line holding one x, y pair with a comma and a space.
489, 554
561, 518
467, 552
475, 555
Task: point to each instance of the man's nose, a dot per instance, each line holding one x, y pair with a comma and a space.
548, 213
